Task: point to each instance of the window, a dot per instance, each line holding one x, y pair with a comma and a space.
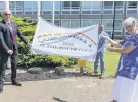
57, 22
75, 23
65, 23
12, 5
119, 4
71, 4
108, 32
95, 21
35, 6
66, 4
108, 4
117, 33
75, 4
19, 5
48, 20
108, 24
2, 5
47, 5
85, 23
86, 5
108, 12
118, 24
132, 4
57, 5
133, 12
86, 12
119, 12
96, 5
28, 5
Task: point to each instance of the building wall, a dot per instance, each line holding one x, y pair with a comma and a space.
78, 13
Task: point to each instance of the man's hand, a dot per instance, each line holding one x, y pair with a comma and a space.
10, 52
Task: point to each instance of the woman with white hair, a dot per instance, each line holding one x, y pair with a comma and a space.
125, 88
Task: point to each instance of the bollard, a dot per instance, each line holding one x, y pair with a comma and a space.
81, 65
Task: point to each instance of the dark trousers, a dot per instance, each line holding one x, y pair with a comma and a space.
3, 65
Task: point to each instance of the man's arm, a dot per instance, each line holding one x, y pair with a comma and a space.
2, 42
21, 36
126, 50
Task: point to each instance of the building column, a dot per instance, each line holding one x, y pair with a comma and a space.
6, 4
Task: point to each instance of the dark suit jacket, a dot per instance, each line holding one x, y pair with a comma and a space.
6, 37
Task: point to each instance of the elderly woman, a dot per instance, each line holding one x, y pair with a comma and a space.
125, 88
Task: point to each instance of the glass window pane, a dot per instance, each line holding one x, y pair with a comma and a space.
57, 5
108, 24
66, 4
119, 4
108, 4
118, 24
96, 12
48, 20
132, 12
132, 4
86, 12
96, 4
108, 32
75, 4
95, 21
28, 5
66, 23
107, 12
117, 33
19, 5
35, 6
75, 23
86, 5
11, 5
57, 22
46, 5
85, 23
117, 12
2, 5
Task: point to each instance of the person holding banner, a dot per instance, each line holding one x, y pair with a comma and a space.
9, 47
101, 50
125, 88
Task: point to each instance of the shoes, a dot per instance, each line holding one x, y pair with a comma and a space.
95, 73
16, 83
102, 76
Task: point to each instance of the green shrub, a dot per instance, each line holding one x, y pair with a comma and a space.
28, 29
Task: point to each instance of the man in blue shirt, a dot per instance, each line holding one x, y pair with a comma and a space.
101, 50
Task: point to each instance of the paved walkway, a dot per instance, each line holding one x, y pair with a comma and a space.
82, 89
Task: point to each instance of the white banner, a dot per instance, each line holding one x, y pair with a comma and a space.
53, 40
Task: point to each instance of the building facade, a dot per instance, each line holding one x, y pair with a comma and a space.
73, 14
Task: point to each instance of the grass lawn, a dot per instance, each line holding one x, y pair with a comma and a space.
111, 63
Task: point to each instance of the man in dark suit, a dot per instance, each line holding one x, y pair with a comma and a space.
9, 47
